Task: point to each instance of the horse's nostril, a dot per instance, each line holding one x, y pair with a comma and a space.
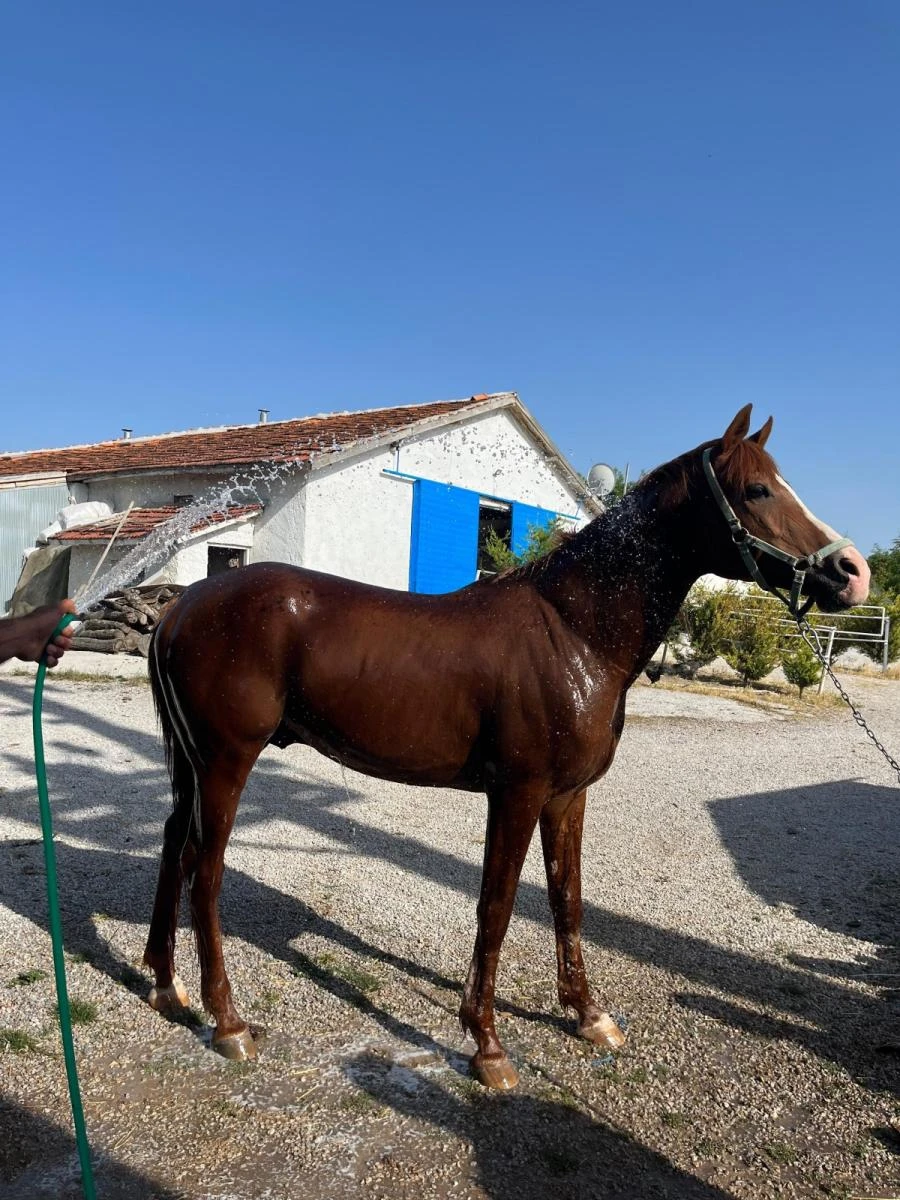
849, 567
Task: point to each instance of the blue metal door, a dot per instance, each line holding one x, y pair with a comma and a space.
444, 545
524, 518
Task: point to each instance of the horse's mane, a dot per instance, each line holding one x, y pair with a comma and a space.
675, 482
662, 489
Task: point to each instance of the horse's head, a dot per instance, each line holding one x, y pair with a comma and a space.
752, 498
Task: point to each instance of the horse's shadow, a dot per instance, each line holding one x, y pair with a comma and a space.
39, 1162
524, 1146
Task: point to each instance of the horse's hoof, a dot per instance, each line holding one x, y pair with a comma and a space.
602, 1031
239, 1047
497, 1073
171, 999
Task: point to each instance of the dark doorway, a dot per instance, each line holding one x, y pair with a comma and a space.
224, 558
494, 517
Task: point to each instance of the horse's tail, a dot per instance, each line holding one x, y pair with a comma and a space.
182, 773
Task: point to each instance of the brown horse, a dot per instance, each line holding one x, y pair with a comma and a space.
514, 687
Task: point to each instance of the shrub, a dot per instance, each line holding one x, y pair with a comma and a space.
541, 539
753, 642
800, 665
702, 626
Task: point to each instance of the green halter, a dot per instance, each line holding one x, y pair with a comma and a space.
746, 542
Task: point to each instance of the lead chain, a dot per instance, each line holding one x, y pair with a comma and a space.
809, 636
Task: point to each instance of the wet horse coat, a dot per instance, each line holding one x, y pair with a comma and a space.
514, 687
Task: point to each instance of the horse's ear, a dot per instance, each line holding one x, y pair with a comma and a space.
738, 429
762, 435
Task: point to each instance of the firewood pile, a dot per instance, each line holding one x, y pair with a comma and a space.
123, 621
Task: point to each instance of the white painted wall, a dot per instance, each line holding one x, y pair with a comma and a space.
492, 455
187, 564
281, 527
350, 518
359, 520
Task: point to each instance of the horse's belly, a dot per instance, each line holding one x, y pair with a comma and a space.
452, 764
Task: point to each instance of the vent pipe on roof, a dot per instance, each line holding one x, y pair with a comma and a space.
263, 416
126, 434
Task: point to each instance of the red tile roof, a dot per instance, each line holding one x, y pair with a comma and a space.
276, 441
140, 521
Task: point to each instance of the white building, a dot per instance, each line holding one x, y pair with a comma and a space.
401, 497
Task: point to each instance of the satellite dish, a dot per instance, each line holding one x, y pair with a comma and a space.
601, 480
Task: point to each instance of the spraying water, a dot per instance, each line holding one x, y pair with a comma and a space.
255, 485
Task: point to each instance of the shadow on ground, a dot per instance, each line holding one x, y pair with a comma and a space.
825, 878
39, 1161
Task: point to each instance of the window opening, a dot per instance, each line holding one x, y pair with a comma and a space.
493, 517
224, 558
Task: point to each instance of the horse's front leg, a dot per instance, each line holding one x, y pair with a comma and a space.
562, 823
512, 816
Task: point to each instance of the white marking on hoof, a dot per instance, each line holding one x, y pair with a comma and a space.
169, 999
602, 1031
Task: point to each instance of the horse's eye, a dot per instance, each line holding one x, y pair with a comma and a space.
757, 491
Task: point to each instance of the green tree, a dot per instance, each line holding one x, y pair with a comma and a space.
885, 565
800, 665
702, 625
753, 643
541, 539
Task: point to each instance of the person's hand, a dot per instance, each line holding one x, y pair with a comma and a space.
28, 636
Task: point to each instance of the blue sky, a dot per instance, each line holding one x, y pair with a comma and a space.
637, 216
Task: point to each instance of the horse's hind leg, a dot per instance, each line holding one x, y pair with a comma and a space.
168, 994
562, 822
220, 789
512, 817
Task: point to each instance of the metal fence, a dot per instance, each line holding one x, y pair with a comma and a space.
867, 623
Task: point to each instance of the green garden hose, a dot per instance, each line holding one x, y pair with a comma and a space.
59, 965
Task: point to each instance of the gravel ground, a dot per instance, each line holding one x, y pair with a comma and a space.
740, 880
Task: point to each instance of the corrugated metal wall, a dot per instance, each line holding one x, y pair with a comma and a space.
24, 512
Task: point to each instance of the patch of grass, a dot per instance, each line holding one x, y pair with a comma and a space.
158, 1067
269, 999
191, 1017
638, 1075
707, 1147
24, 978
360, 1103
673, 1120
765, 695
81, 1012
225, 1108
240, 1066
661, 1072
17, 1040
86, 677
780, 1152
364, 981
468, 1087
78, 956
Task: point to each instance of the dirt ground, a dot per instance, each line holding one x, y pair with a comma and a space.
741, 886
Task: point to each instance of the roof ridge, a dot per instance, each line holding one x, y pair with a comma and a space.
206, 429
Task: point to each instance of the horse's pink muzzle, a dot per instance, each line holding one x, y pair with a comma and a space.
851, 563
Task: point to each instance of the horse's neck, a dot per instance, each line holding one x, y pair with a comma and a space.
621, 580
